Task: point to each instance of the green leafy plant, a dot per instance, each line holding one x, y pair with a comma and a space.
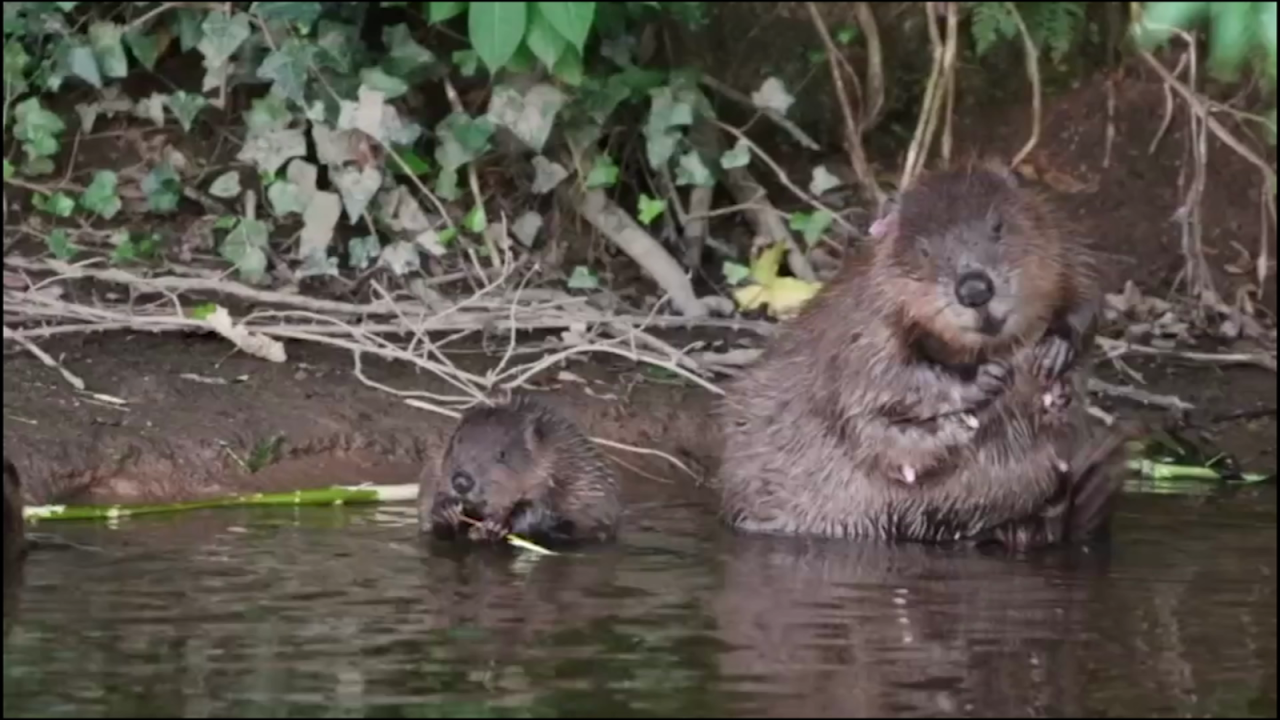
1054, 26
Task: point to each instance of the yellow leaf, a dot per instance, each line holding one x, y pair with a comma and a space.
787, 295
764, 269
750, 297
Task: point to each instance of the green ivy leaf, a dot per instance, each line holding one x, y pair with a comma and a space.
438, 12
405, 55
496, 29
59, 243
390, 86
288, 67
107, 39
467, 61
811, 225
146, 46
735, 273
185, 106
303, 14
58, 204
739, 156
604, 173
583, 279
568, 69
363, 250
649, 209
37, 128
571, 19
82, 63
543, 39
222, 35
692, 171
101, 196
244, 247
162, 188
476, 220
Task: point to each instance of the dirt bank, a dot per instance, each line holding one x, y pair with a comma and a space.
179, 438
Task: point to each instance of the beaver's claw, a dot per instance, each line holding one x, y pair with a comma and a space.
1053, 356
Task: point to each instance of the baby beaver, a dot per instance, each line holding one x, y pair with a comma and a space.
523, 468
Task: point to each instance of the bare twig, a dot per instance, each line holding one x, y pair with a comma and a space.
1116, 348
45, 358
786, 181
781, 121
1033, 74
853, 137
1128, 392
874, 106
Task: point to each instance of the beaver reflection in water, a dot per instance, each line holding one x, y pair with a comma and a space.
908, 399
521, 468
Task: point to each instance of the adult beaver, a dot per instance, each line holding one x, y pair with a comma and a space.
523, 468
908, 399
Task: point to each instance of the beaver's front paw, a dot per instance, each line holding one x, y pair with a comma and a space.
991, 380
1052, 357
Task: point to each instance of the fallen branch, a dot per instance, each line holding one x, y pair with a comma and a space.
603, 214
765, 219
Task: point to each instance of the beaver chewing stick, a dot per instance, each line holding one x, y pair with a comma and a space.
908, 399
523, 468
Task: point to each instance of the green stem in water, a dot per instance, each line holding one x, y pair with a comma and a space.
1167, 471
336, 495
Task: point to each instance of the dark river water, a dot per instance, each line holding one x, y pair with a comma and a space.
341, 612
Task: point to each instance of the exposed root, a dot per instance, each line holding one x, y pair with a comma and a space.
874, 101
940, 77
853, 137
1033, 75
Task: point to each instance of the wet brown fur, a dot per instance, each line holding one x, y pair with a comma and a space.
535, 474
14, 525
876, 372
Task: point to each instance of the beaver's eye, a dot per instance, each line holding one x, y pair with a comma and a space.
502, 456
997, 228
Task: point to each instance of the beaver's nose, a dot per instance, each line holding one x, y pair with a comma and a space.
462, 483
975, 289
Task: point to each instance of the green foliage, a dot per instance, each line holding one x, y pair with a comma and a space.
1055, 27
1239, 32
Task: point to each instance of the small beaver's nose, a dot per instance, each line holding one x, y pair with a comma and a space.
462, 483
974, 289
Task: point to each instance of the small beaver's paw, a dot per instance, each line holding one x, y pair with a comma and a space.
992, 379
1053, 356
1057, 397
488, 530
446, 511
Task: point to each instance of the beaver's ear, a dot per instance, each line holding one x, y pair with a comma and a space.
535, 433
1002, 170
887, 223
